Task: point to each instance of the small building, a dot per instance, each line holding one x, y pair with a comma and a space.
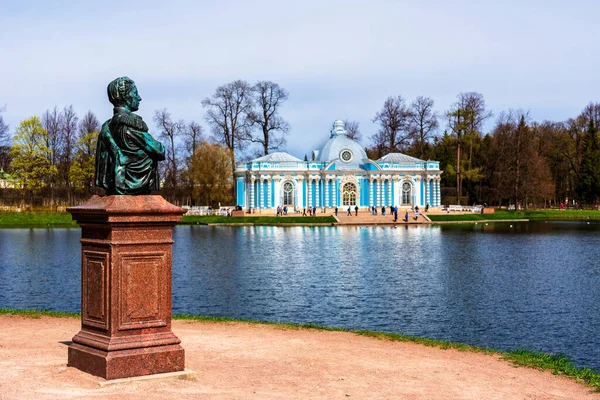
338, 175
6, 181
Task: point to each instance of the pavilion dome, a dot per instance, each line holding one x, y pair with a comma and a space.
340, 147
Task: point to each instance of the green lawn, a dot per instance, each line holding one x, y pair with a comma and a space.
525, 214
41, 219
37, 219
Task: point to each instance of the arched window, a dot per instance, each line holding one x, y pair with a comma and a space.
288, 194
406, 193
349, 194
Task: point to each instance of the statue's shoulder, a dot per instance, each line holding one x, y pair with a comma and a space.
129, 119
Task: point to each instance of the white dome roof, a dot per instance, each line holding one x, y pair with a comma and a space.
399, 158
277, 157
340, 147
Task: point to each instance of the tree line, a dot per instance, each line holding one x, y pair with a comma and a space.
519, 161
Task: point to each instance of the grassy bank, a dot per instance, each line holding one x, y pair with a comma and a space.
36, 219
30, 219
532, 215
556, 363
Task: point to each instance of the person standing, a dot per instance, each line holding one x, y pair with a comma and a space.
356, 210
336, 211
349, 211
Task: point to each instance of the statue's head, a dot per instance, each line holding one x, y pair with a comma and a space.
122, 92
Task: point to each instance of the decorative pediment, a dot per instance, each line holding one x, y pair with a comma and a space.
349, 179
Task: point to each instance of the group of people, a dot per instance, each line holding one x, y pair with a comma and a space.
282, 211
311, 212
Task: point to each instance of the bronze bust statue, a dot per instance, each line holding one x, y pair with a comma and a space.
127, 155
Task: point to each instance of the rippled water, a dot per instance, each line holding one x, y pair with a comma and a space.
532, 285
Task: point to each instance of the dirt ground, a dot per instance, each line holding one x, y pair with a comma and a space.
246, 361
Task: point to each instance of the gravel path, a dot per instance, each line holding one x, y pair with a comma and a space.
247, 361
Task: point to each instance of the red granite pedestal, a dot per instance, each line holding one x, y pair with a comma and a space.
126, 265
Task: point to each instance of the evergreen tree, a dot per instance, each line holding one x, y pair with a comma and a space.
588, 186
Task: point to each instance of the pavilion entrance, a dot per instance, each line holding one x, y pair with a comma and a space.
349, 194
287, 192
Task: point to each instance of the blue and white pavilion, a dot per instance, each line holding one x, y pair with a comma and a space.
340, 175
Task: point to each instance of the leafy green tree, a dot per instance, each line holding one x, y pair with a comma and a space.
31, 156
588, 186
211, 174
83, 168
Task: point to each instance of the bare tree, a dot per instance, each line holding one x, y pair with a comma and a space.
591, 113
393, 119
465, 119
51, 122
68, 132
193, 135
88, 124
4, 142
228, 111
169, 130
193, 138
4, 134
521, 173
353, 129
268, 97
423, 122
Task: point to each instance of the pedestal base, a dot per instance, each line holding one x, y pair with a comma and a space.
126, 260
126, 363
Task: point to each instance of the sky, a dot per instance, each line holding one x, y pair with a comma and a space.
337, 59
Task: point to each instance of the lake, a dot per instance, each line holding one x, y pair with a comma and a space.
502, 285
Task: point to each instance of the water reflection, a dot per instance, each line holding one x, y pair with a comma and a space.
532, 285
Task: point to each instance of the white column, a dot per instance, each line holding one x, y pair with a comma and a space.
252, 203
299, 192
259, 190
277, 189
318, 192
334, 184
438, 197
371, 198
326, 203
389, 195
379, 190
419, 194
309, 184
268, 203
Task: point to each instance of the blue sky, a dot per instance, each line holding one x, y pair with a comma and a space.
338, 59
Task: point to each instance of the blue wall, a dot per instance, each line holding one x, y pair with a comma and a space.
241, 198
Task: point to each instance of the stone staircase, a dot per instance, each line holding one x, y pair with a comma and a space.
366, 218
